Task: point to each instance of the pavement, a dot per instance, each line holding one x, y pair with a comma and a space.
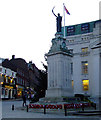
20, 112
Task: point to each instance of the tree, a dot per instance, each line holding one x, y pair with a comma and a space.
42, 87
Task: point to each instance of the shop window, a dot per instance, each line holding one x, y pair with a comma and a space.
6, 91
1, 83
12, 81
85, 85
19, 91
3, 91
84, 65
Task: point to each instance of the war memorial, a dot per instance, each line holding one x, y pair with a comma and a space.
59, 63
60, 94
59, 66
60, 91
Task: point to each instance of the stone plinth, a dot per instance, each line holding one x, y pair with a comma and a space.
59, 69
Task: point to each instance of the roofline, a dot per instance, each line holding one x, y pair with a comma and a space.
83, 23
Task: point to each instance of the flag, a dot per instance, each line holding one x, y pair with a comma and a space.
66, 10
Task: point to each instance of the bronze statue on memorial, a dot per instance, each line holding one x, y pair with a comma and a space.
58, 20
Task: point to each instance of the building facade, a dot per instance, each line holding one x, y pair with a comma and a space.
84, 41
14, 75
37, 80
7, 82
18, 77
34, 76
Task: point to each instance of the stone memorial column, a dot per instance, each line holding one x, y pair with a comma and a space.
59, 69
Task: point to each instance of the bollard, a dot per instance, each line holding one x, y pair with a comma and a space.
44, 109
95, 106
27, 107
12, 107
82, 107
65, 108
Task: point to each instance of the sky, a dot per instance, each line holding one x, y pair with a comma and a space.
28, 26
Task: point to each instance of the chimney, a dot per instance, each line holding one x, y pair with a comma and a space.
30, 62
13, 56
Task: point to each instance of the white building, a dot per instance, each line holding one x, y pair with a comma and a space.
84, 40
7, 82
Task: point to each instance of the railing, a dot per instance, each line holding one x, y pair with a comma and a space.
60, 106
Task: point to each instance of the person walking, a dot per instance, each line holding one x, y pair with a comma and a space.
24, 100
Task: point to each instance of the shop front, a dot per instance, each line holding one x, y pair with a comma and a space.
19, 91
8, 92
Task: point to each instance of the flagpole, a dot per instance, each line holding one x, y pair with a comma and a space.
64, 19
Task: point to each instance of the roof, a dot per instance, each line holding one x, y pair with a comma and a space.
14, 64
80, 28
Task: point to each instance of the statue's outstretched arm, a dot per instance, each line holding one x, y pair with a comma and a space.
53, 12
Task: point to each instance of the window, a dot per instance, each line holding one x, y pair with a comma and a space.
84, 50
9, 79
85, 28
23, 82
5, 78
70, 30
70, 41
84, 65
85, 85
72, 83
85, 38
3, 91
12, 74
6, 91
0, 69
71, 68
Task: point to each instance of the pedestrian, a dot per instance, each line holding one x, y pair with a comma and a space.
32, 95
24, 100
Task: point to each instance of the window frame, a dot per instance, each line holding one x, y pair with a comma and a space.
84, 67
85, 84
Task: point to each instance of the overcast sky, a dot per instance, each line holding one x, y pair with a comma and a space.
28, 26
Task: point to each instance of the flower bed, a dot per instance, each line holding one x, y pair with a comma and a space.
60, 106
